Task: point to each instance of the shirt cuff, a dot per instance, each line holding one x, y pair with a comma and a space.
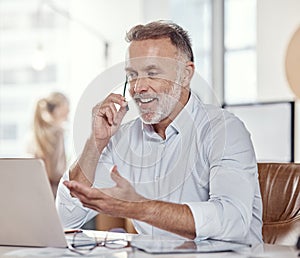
64, 196
207, 223
71, 211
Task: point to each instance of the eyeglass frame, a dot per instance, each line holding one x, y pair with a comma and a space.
96, 243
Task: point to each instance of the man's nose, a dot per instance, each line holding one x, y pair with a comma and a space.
141, 85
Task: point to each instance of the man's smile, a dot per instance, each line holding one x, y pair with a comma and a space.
145, 101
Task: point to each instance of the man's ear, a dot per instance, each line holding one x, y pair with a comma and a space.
189, 70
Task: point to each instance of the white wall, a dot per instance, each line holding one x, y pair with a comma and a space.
111, 19
277, 20
155, 10
103, 21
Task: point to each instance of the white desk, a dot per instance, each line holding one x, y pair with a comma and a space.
260, 251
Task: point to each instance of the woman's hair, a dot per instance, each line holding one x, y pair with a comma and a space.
43, 124
163, 29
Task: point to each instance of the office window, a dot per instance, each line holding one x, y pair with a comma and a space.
8, 131
275, 118
196, 17
239, 83
34, 47
28, 75
240, 51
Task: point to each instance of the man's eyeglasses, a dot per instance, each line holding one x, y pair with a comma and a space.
82, 244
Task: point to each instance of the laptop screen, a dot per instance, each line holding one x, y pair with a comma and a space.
28, 213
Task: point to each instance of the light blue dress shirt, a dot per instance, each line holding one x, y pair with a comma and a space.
207, 161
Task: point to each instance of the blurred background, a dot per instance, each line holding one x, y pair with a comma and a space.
49, 45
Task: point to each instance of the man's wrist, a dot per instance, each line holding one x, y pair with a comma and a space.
137, 210
79, 176
97, 144
83, 170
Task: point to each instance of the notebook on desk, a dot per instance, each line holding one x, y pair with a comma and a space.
28, 215
166, 245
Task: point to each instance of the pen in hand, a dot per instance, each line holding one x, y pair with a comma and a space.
72, 231
124, 92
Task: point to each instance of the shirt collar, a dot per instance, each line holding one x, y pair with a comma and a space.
180, 122
185, 115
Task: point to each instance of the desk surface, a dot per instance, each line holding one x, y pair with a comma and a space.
259, 251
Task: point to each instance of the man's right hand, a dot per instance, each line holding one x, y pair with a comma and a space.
106, 118
106, 121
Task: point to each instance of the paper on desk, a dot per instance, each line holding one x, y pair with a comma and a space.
62, 252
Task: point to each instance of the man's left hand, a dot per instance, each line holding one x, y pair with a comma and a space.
111, 201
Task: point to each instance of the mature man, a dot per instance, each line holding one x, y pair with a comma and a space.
182, 167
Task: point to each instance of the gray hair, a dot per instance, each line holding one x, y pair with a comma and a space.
163, 29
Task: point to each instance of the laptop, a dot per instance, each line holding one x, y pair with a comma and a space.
28, 214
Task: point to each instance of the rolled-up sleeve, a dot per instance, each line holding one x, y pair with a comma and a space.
70, 210
232, 183
228, 213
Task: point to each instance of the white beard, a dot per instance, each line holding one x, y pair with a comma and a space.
166, 104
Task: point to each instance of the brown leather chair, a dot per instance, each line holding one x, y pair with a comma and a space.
280, 190
106, 223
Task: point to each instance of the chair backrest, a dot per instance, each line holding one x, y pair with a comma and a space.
280, 190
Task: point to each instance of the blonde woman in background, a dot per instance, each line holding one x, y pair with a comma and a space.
48, 135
